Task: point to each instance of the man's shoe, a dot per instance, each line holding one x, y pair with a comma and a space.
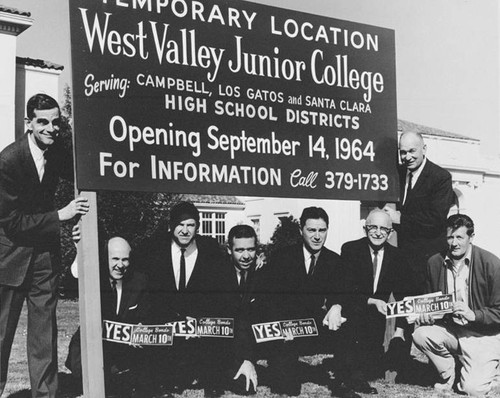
445, 384
341, 390
363, 387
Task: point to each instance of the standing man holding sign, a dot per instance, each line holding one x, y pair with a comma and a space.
472, 331
425, 200
29, 240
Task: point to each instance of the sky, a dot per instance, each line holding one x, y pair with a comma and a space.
447, 54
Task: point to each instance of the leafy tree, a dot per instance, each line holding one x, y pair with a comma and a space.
287, 233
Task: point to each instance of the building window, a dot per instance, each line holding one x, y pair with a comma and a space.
256, 226
213, 224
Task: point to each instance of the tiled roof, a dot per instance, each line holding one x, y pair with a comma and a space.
405, 126
40, 63
213, 199
12, 10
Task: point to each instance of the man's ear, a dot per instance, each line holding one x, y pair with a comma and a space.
27, 121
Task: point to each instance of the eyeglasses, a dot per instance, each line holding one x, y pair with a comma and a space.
375, 228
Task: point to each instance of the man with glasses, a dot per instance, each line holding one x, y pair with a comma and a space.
374, 270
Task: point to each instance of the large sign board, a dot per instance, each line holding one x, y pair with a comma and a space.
232, 97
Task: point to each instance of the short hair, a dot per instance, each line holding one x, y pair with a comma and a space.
460, 220
183, 211
314, 213
241, 231
40, 102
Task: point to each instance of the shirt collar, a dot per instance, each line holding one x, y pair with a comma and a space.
416, 173
35, 150
189, 250
448, 261
307, 253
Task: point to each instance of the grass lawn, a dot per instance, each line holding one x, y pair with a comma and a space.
18, 381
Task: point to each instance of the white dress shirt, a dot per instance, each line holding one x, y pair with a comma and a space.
380, 255
307, 258
38, 156
190, 255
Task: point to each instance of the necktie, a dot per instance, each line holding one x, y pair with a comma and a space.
312, 265
243, 281
115, 296
182, 276
375, 263
408, 187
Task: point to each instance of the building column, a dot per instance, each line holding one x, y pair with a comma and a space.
11, 25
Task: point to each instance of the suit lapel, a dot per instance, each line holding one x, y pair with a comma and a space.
420, 182
168, 271
28, 161
385, 263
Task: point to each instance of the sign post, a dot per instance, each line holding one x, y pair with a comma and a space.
90, 303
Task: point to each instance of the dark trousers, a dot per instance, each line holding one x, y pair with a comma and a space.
40, 291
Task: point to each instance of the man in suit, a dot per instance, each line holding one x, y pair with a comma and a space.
29, 240
472, 332
246, 283
307, 281
123, 299
374, 269
187, 280
425, 200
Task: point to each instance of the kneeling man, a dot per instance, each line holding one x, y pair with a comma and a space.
472, 331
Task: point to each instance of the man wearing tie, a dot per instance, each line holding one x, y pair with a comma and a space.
247, 283
123, 299
30, 169
374, 270
187, 280
307, 281
472, 331
425, 200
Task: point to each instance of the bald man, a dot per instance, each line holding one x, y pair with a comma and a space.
425, 200
123, 299
374, 270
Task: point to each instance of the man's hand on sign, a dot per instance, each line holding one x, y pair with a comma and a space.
287, 335
462, 309
380, 304
248, 371
75, 234
425, 319
333, 319
78, 206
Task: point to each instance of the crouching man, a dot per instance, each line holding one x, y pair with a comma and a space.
472, 331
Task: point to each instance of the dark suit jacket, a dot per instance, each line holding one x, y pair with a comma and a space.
28, 220
423, 215
133, 309
394, 278
249, 307
206, 289
133, 304
293, 294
